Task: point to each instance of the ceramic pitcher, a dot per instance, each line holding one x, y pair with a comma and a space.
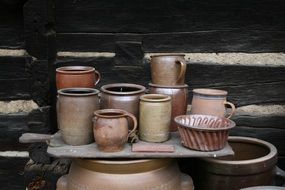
75, 109
155, 117
111, 129
168, 69
76, 76
211, 102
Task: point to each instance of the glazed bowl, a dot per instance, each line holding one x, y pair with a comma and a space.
204, 132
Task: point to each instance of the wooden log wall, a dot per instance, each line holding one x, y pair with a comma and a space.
116, 37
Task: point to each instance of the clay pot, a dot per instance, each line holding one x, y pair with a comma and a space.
155, 117
75, 109
76, 76
160, 174
252, 165
111, 130
123, 96
210, 102
168, 69
179, 99
264, 188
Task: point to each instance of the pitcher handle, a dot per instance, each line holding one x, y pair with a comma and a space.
280, 174
135, 123
62, 183
232, 107
182, 71
99, 77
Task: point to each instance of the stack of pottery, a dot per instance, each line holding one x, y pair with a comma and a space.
168, 76
77, 100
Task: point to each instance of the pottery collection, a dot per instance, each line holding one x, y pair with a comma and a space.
111, 130
155, 116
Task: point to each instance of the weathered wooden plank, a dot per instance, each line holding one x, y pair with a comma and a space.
39, 29
11, 173
272, 135
13, 125
167, 16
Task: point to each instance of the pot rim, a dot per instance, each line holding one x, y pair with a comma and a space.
209, 92
168, 86
99, 113
75, 70
92, 91
231, 124
158, 98
167, 54
140, 88
272, 152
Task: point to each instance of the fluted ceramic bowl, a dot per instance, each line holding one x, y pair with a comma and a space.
204, 132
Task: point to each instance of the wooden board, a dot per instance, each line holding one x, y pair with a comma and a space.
57, 148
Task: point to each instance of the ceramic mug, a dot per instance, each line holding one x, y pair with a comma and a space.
76, 76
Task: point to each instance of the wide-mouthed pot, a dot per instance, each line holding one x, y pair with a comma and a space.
143, 174
252, 165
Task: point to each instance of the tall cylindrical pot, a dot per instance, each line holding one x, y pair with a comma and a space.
155, 117
179, 99
75, 109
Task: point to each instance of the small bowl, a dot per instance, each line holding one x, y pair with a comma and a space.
204, 132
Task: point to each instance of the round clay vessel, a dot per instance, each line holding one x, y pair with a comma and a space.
111, 130
252, 165
123, 96
146, 174
210, 102
76, 76
75, 109
168, 69
179, 99
155, 117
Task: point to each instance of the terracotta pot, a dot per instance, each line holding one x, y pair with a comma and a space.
155, 117
204, 132
168, 69
123, 96
179, 99
252, 165
75, 109
160, 174
210, 102
111, 130
76, 76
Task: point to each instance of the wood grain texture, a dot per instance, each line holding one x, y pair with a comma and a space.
11, 173
13, 125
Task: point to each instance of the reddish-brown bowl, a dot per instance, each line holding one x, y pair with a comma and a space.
204, 132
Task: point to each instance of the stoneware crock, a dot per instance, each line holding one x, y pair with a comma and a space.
142, 174
210, 102
76, 76
168, 69
111, 129
75, 109
155, 117
179, 99
254, 164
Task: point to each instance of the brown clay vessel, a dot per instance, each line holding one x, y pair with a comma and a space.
179, 99
210, 102
75, 109
168, 69
155, 117
76, 76
143, 174
111, 129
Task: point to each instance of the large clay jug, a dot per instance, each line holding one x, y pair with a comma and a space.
168, 69
211, 102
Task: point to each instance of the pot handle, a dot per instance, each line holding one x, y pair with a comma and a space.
186, 182
99, 77
182, 71
280, 174
233, 109
133, 131
62, 183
